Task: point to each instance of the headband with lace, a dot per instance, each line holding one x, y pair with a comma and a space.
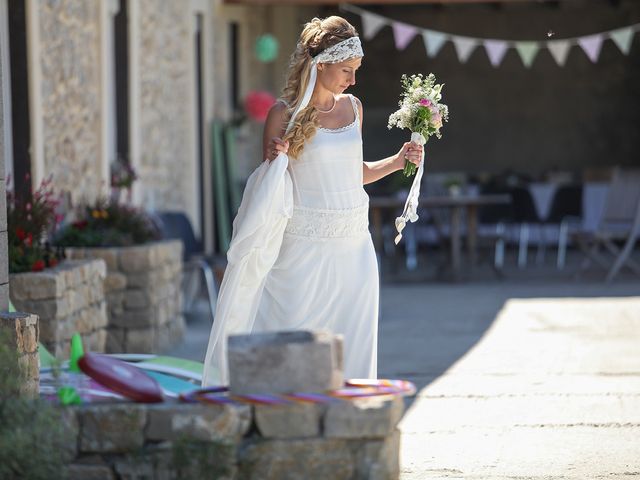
344, 50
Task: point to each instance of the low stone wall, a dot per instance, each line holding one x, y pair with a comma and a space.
340, 440
143, 293
68, 299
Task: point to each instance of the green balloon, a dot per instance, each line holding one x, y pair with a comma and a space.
266, 48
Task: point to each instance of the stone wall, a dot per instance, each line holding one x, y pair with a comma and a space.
4, 258
21, 330
341, 440
143, 293
68, 299
166, 106
70, 89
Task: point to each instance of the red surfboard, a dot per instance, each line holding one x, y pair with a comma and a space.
121, 377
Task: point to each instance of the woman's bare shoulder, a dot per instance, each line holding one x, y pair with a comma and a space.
276, 116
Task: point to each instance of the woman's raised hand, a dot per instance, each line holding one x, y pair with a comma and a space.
275, 146
411, 152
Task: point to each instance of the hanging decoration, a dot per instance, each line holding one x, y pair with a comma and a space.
257, 104
267, 48
496, 49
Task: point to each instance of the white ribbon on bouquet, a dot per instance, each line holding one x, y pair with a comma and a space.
410, 212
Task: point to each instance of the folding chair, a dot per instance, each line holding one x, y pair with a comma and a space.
619, 228
176, 225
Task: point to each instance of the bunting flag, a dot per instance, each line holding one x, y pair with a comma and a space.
371, 24
433, 42
464, 47
591, 46
496, 49
527, 52
403, 34
622, 37
559, 50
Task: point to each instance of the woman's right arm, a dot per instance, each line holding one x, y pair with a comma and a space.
272, 143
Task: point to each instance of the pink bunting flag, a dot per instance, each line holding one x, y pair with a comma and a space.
403, 34
496, 50
591, 46
371, 24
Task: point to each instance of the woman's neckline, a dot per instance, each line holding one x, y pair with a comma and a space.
344, 127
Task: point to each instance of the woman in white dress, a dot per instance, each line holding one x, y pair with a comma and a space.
325, 274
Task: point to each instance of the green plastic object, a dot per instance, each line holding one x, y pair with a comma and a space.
76, 353
69, 396
267, 48
11, 307
46, 359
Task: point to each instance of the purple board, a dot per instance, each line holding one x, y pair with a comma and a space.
121, 377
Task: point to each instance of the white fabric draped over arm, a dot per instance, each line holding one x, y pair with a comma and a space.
258, 229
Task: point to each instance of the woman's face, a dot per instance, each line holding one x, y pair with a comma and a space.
337, 77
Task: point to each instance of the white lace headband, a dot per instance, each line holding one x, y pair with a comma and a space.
344, 50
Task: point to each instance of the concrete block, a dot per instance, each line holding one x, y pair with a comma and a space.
283, 362
309, 459
289, 421
373, 417
198, 422
112, 428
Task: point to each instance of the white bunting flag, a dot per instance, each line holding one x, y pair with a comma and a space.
433, 42
559, 50
371, 24
527, 52
496, 50
464, 47
622, 38
591, 45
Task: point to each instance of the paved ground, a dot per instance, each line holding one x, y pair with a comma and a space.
532, 376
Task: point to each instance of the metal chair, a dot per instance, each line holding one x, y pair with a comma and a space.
176, 225
566, 210
619, 228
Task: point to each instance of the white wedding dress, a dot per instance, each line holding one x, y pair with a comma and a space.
325, 275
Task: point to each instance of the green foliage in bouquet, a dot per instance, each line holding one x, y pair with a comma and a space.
108, 224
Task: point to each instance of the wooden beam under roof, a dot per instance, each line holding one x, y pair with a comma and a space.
374, 2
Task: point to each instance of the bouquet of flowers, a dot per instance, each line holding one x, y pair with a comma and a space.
420, 110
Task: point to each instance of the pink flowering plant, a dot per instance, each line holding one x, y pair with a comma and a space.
420, 109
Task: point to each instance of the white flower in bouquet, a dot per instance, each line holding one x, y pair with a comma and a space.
420, 109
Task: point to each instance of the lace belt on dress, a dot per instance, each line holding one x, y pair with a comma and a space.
321, 223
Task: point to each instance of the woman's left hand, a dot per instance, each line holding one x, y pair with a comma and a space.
411, 152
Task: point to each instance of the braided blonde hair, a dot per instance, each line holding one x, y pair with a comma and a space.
317, 35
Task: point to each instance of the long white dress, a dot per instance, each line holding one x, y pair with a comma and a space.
301, 256
326, 275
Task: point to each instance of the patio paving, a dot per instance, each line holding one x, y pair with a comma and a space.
531, 376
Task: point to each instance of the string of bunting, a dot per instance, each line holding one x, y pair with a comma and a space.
353, 389
496, 49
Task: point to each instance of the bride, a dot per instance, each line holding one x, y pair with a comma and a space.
301, 256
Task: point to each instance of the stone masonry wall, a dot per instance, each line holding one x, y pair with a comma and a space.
22, 336
71, 94
341, 440
4, 258
143, 293
68, 299
166, 118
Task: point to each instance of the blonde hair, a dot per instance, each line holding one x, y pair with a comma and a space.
317, 35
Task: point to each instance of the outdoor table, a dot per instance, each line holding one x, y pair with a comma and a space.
457, 204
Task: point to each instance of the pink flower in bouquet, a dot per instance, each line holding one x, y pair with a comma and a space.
437, 119
257, 104
425, 102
